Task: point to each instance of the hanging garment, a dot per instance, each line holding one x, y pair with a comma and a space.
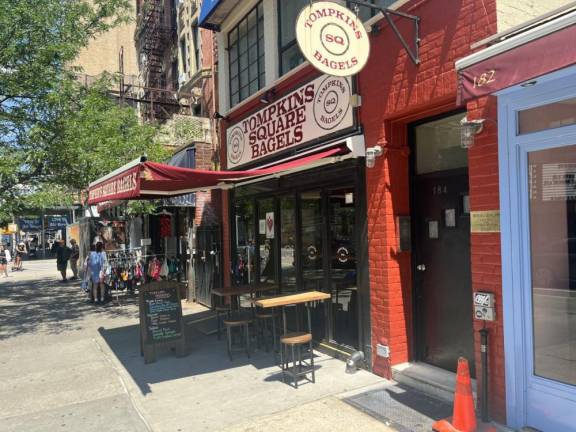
164, 271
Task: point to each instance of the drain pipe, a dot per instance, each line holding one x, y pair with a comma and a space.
484, 359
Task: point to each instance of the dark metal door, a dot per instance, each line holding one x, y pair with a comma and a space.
442, 269
207, 265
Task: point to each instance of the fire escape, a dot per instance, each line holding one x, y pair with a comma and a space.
156, 41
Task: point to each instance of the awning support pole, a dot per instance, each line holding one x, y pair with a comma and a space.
414, 53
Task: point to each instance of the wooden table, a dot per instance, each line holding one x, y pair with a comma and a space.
290, 300
243, 290
237, 291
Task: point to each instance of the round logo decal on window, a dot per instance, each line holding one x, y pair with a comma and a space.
332, 38
236, 145
312, 252
342, 254
332, 102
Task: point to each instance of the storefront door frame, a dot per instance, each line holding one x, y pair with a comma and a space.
515, 237
326, 179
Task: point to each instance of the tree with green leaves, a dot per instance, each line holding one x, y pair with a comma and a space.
55, 135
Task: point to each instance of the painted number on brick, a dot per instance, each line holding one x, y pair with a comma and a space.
485, 78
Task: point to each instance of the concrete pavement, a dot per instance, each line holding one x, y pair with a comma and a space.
69, 365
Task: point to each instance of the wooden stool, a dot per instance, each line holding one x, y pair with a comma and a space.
262, 319
243, 325
295, 341
221, 310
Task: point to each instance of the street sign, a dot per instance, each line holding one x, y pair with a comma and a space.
332, 38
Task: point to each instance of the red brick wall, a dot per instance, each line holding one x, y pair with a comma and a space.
208, 204
394, 93
485, 247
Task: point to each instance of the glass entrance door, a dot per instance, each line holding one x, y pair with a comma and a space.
343, 279
551, 187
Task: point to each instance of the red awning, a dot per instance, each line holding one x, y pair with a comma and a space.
152, 180
520, 58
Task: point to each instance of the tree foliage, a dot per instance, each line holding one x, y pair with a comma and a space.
55, 135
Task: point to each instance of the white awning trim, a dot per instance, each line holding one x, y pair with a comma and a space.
518, 40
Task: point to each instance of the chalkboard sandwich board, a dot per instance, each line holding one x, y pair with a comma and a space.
160, 319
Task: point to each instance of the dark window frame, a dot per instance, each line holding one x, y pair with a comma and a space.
196, 42
234, 75
283, 48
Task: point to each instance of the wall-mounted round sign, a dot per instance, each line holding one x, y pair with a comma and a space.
332, 38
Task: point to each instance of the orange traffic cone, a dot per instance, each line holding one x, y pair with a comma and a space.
464, 417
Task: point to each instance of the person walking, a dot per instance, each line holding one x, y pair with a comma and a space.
95, 264
4, 258
20, 251
62, 257
74, 256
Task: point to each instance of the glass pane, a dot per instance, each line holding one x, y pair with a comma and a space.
245, 242
267, 241
288, 243
253, 88
343, 285
552, 186
548, 116
291, 58
289, 10
232, 37
234, 86
312, 248
438, 145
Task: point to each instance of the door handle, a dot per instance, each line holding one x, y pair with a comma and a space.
421, 267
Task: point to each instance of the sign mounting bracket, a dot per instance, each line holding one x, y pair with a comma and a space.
413, 52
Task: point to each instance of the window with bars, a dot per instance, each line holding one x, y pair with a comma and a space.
246, 56
290, 54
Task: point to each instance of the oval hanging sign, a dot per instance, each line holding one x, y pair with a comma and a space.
332, 38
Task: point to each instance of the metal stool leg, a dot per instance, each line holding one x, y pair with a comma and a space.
312, 362
247, 330
282, 363
295, 377
219, 321
265, 334
229, 336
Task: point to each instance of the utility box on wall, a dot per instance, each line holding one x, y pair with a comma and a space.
484, 306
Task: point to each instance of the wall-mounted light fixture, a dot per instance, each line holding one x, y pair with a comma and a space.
468, 129
371, 154
268, 96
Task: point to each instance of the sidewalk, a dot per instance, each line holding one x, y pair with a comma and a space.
70, 365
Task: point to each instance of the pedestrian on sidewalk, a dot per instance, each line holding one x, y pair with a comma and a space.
4, 258
62, 256
74, 256
96, 262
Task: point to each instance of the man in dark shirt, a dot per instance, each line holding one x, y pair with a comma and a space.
62, 256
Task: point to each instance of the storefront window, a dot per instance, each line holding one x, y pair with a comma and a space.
312, 245
246, 56
549, 116
290, 54
267, 241
552, 191
288, 243
245, 243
